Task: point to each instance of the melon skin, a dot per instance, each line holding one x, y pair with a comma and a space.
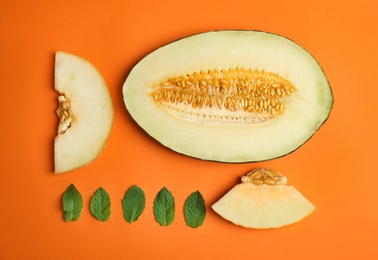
263, 206
307, 111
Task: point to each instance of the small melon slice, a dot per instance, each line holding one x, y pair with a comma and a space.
229, 96
262, 201
85, 112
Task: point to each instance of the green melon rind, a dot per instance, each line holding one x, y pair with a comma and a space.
275, 138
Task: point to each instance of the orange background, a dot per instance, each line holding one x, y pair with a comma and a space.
336, 169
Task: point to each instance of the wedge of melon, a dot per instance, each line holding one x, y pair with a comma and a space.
262, 205
85, 112
229, 96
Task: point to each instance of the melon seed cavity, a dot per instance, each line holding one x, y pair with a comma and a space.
237, 95
64, 113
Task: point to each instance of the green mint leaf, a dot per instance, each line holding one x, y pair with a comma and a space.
133, 203
100, 205
195, 210
72, 203
164, 207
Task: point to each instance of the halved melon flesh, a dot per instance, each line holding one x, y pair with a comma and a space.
263, 202
229, 96
85, 112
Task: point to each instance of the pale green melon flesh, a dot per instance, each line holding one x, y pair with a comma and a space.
306, 110
92, 108
263, 206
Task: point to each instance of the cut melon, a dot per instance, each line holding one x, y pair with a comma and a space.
229, 96
267, 204
85, 112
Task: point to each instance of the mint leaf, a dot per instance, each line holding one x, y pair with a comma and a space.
164, 207
100, 205
72, 203
133, 203
195, 210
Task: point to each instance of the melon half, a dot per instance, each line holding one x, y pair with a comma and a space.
85, 112
263, 206
229, 96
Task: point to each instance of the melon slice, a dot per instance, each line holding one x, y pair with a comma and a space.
85, 112
263, 202
229, 96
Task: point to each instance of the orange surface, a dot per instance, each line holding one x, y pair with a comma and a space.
336, 169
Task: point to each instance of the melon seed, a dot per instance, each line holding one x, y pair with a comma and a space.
261, 176
235, 95
64, 113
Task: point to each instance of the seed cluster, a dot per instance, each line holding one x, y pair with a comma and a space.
262, 176
64, 113
237, 90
